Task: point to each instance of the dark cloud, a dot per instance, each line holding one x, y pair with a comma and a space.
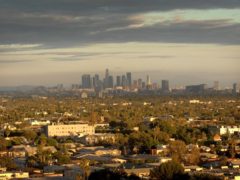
57, 23
122, 6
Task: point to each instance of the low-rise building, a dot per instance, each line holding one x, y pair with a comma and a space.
14, 175
97, 138
62, 130
229, 129
39, 123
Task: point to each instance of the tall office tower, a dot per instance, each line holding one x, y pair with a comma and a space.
86, 81
124, 81
135, 84
165, 85
143, 85
129, 79
140, 83
96, 80
118, 81
216, 86
236, 88
148, 80
110, 82
106, 79
93, 82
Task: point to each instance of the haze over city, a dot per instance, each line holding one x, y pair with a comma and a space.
120, 89
187, 42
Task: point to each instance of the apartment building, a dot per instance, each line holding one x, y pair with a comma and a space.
62, 130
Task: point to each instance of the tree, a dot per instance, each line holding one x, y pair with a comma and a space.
168, 171
29, 134
106, 174
52, 142
84, 165
177, 150
44, 157
7, 132
194, 156
231, 148
41, 140
61, 157
7, 162
3, 144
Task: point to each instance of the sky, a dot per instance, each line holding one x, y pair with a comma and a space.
49, 42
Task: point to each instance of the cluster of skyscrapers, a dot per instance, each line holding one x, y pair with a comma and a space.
125, 83
95, 82
119, 82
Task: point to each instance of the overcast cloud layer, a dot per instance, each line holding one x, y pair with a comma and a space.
32, 29
91, 21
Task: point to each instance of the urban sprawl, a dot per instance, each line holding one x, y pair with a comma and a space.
130, 129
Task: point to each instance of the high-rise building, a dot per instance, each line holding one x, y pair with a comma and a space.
106, 79
140, 83
148, 80
236, 88
149, 83
118, 81
86, 81
165, 85
216, 86
124, 81
96, 81
135, 84
110, 82
129, 79
196, 89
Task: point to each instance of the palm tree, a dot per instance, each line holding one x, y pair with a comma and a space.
84, 165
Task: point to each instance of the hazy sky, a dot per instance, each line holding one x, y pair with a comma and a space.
55, 41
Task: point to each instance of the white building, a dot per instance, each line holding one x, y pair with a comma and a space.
39, 123
62, 130
229, 129
14, 175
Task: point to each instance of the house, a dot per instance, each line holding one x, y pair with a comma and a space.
143, 158
223, 130
112, 152
208, 155
39, 123
205, 148
156, 150
99, 154
229, 129
51, 149
98, 137
99, 151
192, 168
14, 175
3, 169
17, 151
140, 172
217, 138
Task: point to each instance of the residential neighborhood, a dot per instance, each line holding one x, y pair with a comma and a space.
73, 138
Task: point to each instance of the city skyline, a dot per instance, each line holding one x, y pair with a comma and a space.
145, 77
46, 43
109, 80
